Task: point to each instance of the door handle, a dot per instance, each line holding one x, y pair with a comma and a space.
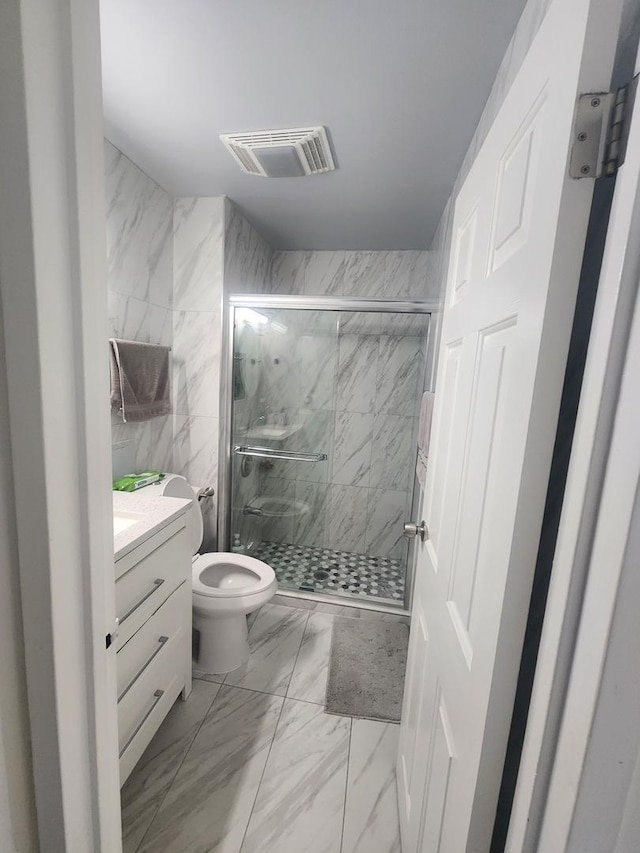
413, 530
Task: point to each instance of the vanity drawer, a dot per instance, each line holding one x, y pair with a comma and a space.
149, 582
146, 703
148, 643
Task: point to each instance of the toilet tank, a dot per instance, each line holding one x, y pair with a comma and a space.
175, 486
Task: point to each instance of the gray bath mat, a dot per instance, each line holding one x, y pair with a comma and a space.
366, 669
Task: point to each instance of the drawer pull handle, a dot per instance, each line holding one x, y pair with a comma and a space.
157, 697
161, 641
156, 585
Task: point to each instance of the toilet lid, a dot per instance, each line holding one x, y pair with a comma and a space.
222, 575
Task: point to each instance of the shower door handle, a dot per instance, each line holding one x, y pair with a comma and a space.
270, 453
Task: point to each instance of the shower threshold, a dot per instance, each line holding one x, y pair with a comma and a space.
343, 574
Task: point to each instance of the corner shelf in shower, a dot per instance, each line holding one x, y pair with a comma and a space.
272, 432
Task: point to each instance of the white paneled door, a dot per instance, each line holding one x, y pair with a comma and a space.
518, 237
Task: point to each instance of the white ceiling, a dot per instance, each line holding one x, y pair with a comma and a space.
400, 85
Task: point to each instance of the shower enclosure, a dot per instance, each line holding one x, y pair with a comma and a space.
320, 416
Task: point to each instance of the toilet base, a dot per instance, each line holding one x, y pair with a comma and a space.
223, 643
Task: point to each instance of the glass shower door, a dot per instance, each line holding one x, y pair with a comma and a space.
324, 426
284, 390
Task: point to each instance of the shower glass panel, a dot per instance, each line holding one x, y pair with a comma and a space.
324, 426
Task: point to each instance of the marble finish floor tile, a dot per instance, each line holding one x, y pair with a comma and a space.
309, 679
209, 803
234, 770
350, 611
146, 788
213, 677
274, 640
371, 823
300, 801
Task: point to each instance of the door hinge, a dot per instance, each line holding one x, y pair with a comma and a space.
601, 131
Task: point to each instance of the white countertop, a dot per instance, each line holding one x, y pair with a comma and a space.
155, 513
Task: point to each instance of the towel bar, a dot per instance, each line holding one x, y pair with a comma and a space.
269, 453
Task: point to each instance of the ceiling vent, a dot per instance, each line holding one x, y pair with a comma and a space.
290, 153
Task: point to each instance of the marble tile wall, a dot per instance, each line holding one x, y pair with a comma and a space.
379, 377
344, 273
140, 285
355, 387
198, 246
170, 264
247, 255
216, 252
247, 269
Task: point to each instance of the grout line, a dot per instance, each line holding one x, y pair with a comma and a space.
173, 779
304, 631
275, 732
255, 799
277, 695
346, 787
201, 674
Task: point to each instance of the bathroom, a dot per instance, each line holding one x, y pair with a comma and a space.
209, 251
343, 380
306, 324
372, 493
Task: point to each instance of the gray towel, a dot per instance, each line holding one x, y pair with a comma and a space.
140, 387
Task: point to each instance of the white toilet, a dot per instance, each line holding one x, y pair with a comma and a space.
226, 587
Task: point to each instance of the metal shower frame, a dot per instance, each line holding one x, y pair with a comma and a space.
225, 451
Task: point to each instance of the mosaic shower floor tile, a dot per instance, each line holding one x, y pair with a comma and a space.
340, 572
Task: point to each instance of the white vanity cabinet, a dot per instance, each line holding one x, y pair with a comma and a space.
153, 604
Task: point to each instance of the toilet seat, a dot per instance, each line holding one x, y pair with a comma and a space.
223, 575
226, 587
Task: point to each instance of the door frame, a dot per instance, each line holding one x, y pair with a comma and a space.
54, 297
597, 507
